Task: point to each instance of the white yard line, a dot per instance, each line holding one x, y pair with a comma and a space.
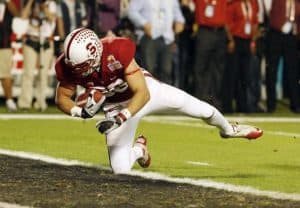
7, 205
198, 163
159, 176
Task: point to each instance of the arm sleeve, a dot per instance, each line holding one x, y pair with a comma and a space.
61, 77
126, 53
58, 72
229, 16
134, 13
255, 12
59, 69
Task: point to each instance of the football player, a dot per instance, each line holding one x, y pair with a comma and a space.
130, 93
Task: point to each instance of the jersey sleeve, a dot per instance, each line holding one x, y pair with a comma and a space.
230, 16
59, 69
126, 51
255, 12
61, 75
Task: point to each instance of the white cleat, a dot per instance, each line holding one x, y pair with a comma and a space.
11, 105
145, 160
243, 131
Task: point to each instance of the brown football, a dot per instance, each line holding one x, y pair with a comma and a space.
81, 99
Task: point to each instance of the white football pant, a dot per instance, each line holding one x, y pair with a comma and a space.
162, 97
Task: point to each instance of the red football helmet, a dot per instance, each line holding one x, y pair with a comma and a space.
83, 51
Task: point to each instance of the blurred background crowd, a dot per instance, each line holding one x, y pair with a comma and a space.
242, 56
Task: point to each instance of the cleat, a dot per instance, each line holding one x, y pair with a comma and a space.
11, 105
243, 131
145, 160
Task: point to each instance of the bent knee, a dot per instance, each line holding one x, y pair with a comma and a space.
119, 159
120, 170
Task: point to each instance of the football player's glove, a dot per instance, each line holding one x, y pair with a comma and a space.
92, 104
86, 114
109, 124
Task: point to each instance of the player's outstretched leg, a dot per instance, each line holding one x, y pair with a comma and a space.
145, 160
243, 131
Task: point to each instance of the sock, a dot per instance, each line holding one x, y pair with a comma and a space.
218, 120
138, 152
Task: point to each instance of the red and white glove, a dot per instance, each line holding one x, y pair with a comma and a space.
88, 103
109, 124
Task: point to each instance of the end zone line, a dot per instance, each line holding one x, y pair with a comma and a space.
159, 176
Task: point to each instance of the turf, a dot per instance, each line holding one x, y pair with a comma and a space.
38, 184
270, 163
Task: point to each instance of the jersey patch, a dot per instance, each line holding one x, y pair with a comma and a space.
113, 64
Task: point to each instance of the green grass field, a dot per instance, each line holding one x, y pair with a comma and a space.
269, 163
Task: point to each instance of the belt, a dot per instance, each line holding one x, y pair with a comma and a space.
33, 38
36, 45
212, 28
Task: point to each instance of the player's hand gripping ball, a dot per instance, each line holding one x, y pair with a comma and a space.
90, 102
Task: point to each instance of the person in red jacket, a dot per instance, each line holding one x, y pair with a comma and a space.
131, 93
242, 23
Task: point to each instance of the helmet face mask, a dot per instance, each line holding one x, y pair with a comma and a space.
83, 51
83, 69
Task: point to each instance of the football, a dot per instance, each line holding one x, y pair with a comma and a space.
82, 99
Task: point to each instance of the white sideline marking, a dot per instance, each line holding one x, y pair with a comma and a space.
198, 163
7, 205
159, 176
48, 159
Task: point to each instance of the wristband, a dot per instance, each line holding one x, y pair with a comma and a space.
76, 111
124, 114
